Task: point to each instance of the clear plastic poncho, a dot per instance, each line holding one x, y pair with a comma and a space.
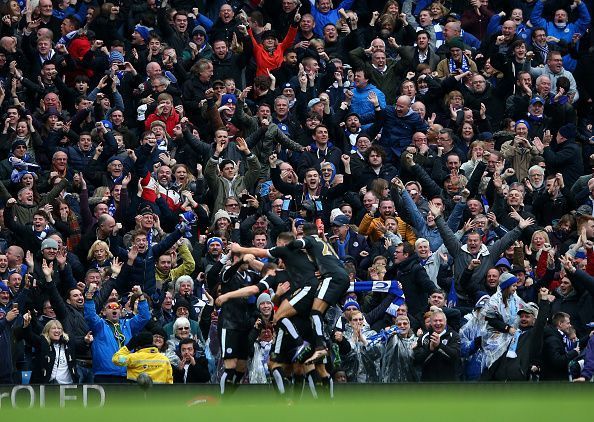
474, 359
496, 343
397, 363
362, 363
258, 364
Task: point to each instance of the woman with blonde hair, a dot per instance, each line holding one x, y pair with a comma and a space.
438, 11
184, 179
54, 361
99, 255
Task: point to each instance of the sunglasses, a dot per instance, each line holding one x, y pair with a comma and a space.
113, 306
183, 328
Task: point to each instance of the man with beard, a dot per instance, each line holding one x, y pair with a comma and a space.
519, 363
288, 68
373, 226
229, 64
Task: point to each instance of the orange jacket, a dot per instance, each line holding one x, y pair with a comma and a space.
266, 61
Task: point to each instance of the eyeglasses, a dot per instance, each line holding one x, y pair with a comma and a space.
113, 306
183, 328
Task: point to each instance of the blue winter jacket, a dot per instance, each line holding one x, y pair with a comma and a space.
332, 16
579, 26
361, 105
397, 132
104, 344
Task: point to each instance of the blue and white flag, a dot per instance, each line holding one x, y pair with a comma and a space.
384, 335
383, 286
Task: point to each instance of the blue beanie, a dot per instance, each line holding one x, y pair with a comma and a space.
350, 302
143, 31
214, 239
228, 99
116, 56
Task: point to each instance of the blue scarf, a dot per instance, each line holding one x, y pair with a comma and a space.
452, 65
342, 246
452, 295
111, 208
511, 350
569, 343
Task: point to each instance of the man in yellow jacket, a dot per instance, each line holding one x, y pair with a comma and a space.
373, 227
146, 358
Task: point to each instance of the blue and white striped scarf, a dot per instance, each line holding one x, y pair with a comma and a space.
439, 37
384, 286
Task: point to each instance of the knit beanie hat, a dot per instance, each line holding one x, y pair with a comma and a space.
506, 280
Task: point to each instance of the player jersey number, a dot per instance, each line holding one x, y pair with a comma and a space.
326, 248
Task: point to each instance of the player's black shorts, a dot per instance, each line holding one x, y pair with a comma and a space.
332, 289
234, 344
283, 347
302, 299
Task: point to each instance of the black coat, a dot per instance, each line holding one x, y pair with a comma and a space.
387, 172
45, 357
196, 373
528, 352
442, 363
566, 159
73, 321
555, 358
583, 283
416, 284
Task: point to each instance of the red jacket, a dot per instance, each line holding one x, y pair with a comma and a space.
266, 61
169, 121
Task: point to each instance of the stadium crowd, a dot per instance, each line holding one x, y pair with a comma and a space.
164, 164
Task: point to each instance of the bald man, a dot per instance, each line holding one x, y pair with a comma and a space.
400, 124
